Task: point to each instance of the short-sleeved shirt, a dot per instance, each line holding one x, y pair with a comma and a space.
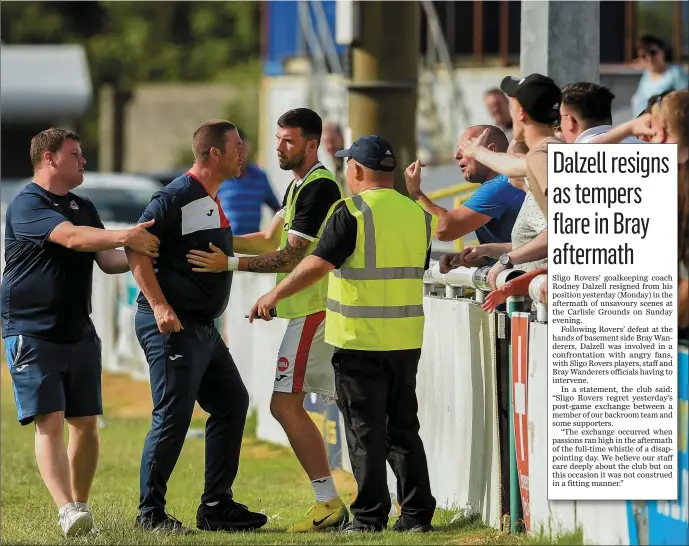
46, 287
241, 200
313, 205
501, 201
537, 171
530, 222
188, 218
338, 240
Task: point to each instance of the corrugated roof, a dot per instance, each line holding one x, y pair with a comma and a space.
43, 83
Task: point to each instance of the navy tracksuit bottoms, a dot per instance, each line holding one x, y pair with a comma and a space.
185, 367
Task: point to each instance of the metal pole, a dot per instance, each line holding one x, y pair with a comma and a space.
514, 304
383, 89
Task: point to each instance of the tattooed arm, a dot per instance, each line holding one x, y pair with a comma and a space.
280, 261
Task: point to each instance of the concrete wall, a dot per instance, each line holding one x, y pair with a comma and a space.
160, 121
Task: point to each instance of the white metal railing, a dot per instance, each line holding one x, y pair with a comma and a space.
457, 280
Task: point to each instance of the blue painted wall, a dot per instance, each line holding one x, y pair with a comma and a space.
283, 29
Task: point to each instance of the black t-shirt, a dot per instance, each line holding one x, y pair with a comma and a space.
186, 218
339, 238
46, 287
313, 204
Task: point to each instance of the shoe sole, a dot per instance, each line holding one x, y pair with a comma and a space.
161, 530
205, 525
164, 531
81, 526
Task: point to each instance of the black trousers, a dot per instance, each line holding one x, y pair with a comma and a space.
188, 366
377, 397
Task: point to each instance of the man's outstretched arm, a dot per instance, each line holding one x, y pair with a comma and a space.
279, 261
308, 272
261, 241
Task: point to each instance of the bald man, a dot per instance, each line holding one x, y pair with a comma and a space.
492, 209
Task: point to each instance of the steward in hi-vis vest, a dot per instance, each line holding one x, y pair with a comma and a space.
375, 248
375, 299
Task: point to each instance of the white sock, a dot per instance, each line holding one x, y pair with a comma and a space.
82, 505
324, 489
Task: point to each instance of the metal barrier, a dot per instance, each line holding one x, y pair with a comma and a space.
457, 280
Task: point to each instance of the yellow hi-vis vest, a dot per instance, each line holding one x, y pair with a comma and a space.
312, 299
375, 300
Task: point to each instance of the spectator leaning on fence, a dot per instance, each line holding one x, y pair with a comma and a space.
376, 247
187, 358
491, 210
586, 112
241, 198
52, 238
535, 109
529, 246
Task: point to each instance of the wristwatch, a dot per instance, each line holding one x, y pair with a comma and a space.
505, 261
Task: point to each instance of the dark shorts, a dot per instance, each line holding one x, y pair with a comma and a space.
49, 377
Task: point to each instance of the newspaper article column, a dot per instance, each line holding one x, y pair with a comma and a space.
612, 280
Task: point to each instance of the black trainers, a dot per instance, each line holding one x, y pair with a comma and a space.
228, 515
358, 527
402, 526
161, 524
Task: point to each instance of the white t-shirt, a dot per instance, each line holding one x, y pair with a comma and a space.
588, 135
528, 224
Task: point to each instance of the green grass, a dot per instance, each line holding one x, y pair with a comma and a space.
270, 479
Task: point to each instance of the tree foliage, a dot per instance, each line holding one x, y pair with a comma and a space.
130, 42
134, 42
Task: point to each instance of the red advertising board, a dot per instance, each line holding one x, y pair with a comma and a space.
520, 374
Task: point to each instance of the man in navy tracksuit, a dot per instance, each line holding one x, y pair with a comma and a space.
187, 357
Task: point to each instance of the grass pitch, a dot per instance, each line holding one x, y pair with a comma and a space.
270, 480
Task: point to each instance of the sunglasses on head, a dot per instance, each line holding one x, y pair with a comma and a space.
655, 99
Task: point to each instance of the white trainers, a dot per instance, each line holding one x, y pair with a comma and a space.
74, 521
84, 507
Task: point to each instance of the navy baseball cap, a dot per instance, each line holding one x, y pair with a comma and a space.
539, 96
373, 152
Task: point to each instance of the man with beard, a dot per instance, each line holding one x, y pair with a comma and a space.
304, 359
492, 209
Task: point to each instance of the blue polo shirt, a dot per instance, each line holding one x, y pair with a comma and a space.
241, 199
501, 201
46, 288
187, 218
